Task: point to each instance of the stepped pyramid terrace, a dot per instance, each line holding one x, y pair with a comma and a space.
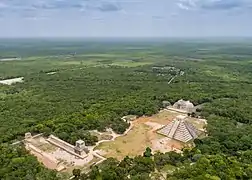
180, 129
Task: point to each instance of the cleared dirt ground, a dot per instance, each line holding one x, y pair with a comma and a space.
142, 135
198, 123
163, 117
53, 157
134, 143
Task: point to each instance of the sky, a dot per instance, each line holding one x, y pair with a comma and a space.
125, 18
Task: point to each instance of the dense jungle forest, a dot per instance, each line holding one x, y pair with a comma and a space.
95, 83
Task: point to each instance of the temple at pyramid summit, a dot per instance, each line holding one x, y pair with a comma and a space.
180, 129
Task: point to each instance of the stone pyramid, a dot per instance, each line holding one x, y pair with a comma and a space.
180, 130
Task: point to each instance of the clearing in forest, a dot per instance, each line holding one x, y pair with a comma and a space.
143, 134
12, 81
54, 157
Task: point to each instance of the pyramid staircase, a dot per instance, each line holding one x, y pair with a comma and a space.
179, 129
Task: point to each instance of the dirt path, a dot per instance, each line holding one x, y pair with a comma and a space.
169, 82
96, 152
114, 136
181, 74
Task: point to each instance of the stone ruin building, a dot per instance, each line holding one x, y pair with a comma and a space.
166, 104
28, 135
80, 147
186, 106
180, 129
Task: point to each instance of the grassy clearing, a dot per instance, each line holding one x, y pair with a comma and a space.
103, 136
102, 55
138, 138
142, 135
35, 64
221, 75
134, 143
197, 123
74, 62
48, 147
164, 117
130, 63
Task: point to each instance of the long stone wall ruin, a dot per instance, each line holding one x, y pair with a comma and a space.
65, 146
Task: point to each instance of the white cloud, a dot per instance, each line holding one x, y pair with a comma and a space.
30, 7
213, 4
182, 6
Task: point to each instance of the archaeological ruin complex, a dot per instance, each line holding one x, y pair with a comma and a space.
180, 129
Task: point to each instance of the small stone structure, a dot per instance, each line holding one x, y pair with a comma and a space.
184, 106
129, 118
28, 135
180, 129
166, 104
80, 147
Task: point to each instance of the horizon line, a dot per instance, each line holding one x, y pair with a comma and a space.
121, 37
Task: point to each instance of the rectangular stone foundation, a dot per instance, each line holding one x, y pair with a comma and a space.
65, 146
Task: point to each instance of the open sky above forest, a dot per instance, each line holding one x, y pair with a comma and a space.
125, 18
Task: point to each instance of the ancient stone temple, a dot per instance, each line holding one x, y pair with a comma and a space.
184, 105
80, 147
180, 129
